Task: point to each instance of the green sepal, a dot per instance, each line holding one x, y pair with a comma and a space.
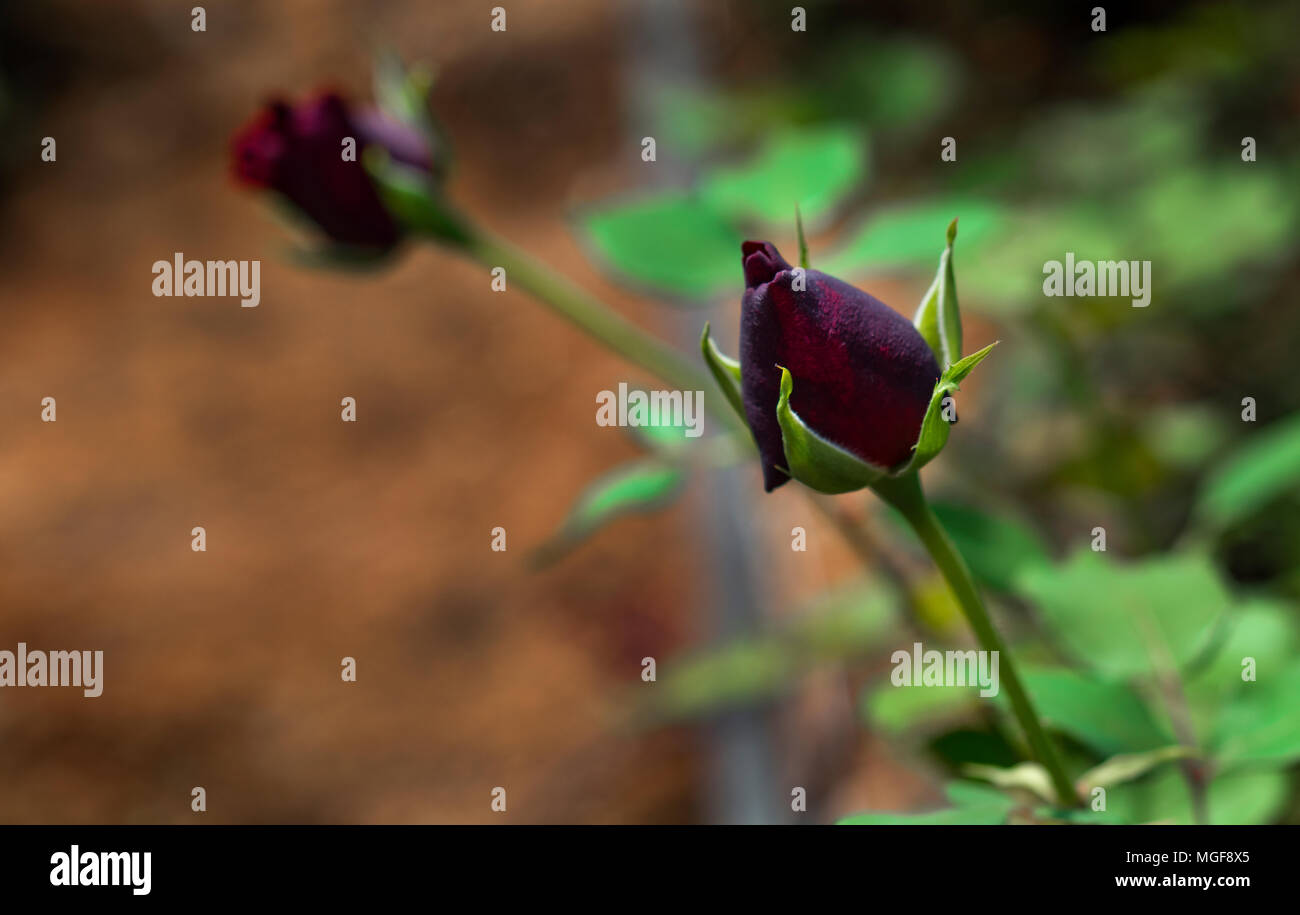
812, 460
725, 370
401, 93
412, 198
938, 319
934, 428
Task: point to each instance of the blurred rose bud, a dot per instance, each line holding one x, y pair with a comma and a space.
298, 151
863, 375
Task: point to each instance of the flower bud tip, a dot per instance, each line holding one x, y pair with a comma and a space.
762, 262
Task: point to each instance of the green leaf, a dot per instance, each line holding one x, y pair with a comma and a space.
1104, 715
997, 548
640, 486
1261, 628
996, 280
1255, 216
841, 625
903, 236
900, 708
1241, 796
1261, 723
847, 620
726, 372
975, 805
1185, 435
814, 461
1264, 468
1129, 619
934, 427
1125, 767
735, 675
938, 319
664, 437
991, 815
814, 168
1248, 796
671, 243
1026, 776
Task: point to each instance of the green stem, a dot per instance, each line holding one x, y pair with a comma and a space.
904, 493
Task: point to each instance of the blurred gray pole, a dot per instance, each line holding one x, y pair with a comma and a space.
742, 786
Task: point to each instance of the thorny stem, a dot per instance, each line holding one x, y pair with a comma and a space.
904, 493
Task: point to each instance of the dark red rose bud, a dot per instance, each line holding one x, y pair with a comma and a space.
298, 151
863, 375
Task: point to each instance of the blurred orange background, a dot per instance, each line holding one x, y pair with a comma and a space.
325, 539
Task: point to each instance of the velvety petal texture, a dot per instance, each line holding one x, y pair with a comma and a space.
862, 374
297, 150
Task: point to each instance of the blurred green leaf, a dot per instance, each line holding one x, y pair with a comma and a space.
1185, 435
1248, 796
737, 674
664, 437
899, 83
975, 815
640, 486
905, 235
974, 805
1125, 767
1243, 796
812, 167
1260, 723
846, 620
997, 548
1026, 776
840, 625
694, 121
672, 243
1254, 216
1007, 276
1129, 619
1265, 467
1261, 628
1082, 149
1106, 716
899, 708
